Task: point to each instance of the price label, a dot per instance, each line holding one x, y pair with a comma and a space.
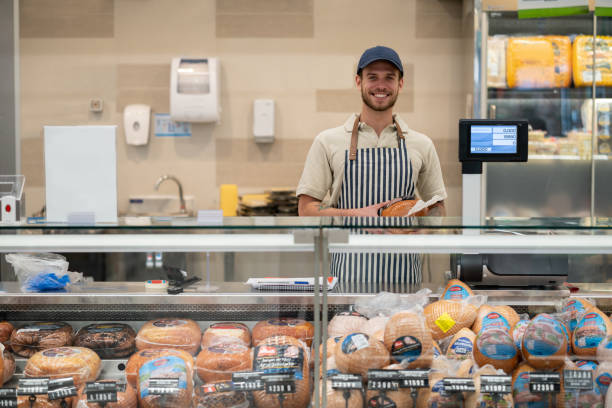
544, 382
103, 392
346, 382
414, 378
8, 397
578, 379
163, 386
383, 380
61, 388
279, 384
495, 384
33, 386
248, 381
459, 385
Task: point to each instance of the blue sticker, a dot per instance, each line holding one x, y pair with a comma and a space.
166, 127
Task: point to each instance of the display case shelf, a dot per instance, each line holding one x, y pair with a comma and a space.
549, 93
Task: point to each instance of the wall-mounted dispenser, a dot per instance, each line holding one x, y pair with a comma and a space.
194, 90
136, 119
263, 120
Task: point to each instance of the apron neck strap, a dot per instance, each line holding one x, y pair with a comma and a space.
355, 135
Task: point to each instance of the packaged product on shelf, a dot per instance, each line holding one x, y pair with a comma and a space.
5, 333
226, 329
446, 317
461, 346
495, 316
126, 397
374, 325
603, 377
109, 340
518, 331
456, 290
219, 395
356, 353
434, 396
522, 396
586, 365
397, 399
591, 329
574, 309
530, 63
166, 367
40, 272
79, 363
42, 401
478, 400
336, 398
330, 348
297, 328
345, 323
139, 358
496, 61
494, 346
582, 60
331, 367
176, 333
221, 358
544, 343
283, 355
8, 366
567, 398
33, 337
408, 339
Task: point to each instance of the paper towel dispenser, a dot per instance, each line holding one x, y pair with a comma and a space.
194, 90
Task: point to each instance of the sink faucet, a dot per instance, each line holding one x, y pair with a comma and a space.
180, 187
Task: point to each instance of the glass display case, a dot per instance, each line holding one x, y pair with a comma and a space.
279, 336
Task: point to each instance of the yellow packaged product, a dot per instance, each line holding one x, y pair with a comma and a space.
582, 60
539, 62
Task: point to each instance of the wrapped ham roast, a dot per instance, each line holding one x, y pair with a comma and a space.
222, 357
141, 357
109, 340
79, 363
8, 366
181, 334
346, 323
219, 395
126, 398
226, 329
408, 340
335, 398
296, 328
447, 317
166, 366
5, 333
31, 338
357, 352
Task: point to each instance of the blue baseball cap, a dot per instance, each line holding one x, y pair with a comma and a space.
379, 53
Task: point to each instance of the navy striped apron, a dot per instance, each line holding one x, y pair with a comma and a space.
372, 176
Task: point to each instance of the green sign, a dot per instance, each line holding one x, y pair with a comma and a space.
551, 8
603, 8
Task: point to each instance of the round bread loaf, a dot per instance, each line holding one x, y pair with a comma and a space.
79, 363
390, 399
501, 317
544, 343
434, 396
219, 395
283, 354
296, 328
401, 209
109, 340
456, 290
335, 398
446, 317
520, 389
168, 366
603, 377
478, 400
356, 353
226, 329
408, 340
5, 333
495, 346
517, 333
139, 358
8, 366
126, 397
33, 337
183, 334
219, 360
574, 308
461, 346
592, 328
346, 323
374, 325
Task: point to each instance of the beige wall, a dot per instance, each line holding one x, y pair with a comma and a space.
301, 53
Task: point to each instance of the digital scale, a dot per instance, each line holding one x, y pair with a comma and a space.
11, 203
482, 141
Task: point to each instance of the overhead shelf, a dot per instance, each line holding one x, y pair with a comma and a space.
549, 93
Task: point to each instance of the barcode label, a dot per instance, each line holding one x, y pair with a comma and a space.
279, 383
544, 382
414, 378
8, 397
346, 382
578, 379
101, 392
459, 385
248, 381
163, 386
495, 384
33, 386
61, 388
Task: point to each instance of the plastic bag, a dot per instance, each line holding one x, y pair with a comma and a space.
40, 272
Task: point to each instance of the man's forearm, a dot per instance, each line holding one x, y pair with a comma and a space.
319, 210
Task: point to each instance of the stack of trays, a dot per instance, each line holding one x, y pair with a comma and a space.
284, 201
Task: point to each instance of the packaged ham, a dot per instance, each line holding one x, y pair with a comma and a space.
281, 355
494, 346
478, 400
544, 343
518, 331
219, 395
461, 346
8, 366
390, 399
222, 357
126, 397
521, 395
109, 340
447, 317
575, 309
330, 347
604, 350
603, 377
374, 325
356, 353
168, 366
591, 398
336, 398
139, 358
495, 316
434, 396
33, 337
183, 334
346, 323
593, 327
226, 329
408, 340
5, 333
456, 290
77, 362
296, 328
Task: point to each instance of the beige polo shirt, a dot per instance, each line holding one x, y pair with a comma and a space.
324, 168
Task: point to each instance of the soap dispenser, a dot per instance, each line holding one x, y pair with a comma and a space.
136, 120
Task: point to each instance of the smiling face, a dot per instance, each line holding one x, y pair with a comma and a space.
380, 84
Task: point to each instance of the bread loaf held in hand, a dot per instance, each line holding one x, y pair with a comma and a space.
401, 209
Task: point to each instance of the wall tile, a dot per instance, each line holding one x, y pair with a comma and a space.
66, 18
143, 75
157, 99
439, 19
268, 6
33, 161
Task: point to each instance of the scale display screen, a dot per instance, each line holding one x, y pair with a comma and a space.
493, 139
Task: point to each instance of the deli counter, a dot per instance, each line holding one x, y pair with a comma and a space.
210, 339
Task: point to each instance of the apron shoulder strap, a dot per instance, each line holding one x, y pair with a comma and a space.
353, 151
400, 133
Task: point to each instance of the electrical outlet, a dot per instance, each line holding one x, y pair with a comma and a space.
96, 105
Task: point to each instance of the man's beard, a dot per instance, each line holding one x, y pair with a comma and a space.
382, 108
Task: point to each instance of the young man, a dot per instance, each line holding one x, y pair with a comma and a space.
372, 159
